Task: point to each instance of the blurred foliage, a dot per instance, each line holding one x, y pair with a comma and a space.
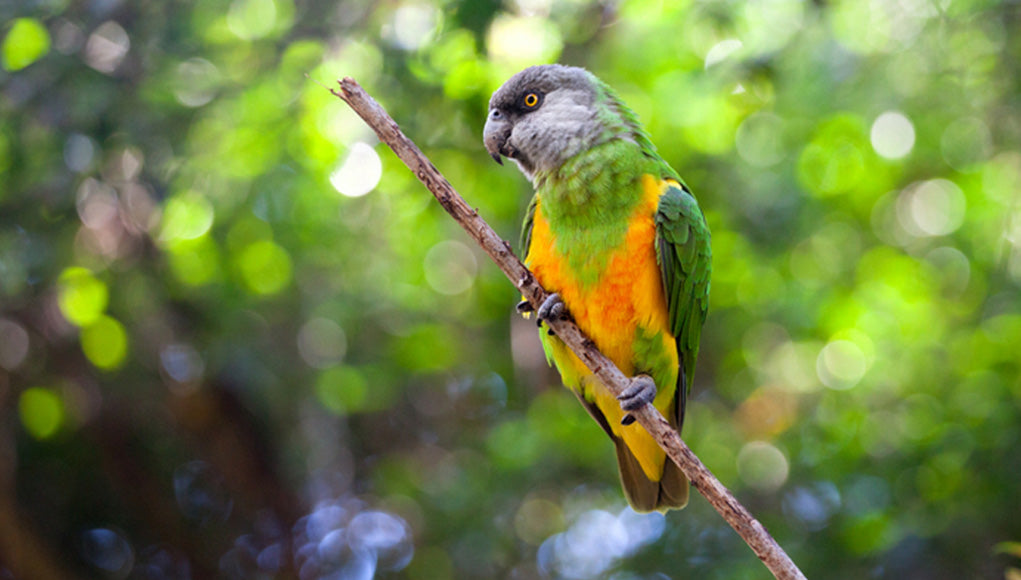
238, 339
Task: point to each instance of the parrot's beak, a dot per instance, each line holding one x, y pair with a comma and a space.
495, 136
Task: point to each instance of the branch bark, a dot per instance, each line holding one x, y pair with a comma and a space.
750, 530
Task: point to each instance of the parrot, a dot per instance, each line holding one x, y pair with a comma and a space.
620, 242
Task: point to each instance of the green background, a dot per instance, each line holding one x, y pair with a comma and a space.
238, 339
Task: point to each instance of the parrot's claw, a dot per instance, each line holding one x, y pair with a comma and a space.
641, 391
524, 307
553, 308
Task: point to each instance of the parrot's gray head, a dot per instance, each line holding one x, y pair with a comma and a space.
544, 115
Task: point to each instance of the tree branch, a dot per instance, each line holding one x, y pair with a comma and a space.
753, 532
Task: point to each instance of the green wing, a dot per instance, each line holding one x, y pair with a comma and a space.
685, 260
526, 228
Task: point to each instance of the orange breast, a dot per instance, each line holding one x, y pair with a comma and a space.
627, 296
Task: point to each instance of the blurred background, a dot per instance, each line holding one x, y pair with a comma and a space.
238, 339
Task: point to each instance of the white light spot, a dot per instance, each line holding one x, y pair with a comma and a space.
97, 204
450, 267
414, 26
321, 342
841, 364
721, 50
359, 173
107, 46
129, 165
196, 82
893, 135
931, 208
791, 365
762, 466
522, 40
596, 541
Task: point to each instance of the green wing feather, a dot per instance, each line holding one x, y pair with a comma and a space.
526, 228
685, 261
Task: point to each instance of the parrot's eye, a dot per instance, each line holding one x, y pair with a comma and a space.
531, 100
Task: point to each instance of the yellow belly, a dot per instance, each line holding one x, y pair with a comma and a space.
627, 299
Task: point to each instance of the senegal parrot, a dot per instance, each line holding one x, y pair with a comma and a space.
618, 238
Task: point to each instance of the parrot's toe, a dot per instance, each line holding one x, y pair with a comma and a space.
552, 308
641, 391
524, 307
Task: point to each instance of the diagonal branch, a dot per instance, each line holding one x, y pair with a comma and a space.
753, 532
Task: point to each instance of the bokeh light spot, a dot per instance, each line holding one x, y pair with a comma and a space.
427, 348
450, 267
767, 412
107, 46
194, 262
79, 151
252, 19
359, 173
97, 202
759, 140
321, 342
342, 389
413, 25
523, 41
892, 135
931, 208
41, 411
13, 344
513, 444
182, 364
81, 297
105, 343
186, 216
829, 171
109, 551
721, 50
841, 364
812, 506
596, 541
196, 82
536, 519
26, 42
768, 25
265, 267
384, 535
762, 466
834, 162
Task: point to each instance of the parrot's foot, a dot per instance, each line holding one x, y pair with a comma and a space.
641, 391
524, 307
552, 308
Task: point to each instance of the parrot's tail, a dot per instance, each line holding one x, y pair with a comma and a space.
644, 494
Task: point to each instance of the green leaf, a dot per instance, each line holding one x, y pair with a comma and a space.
27, 42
